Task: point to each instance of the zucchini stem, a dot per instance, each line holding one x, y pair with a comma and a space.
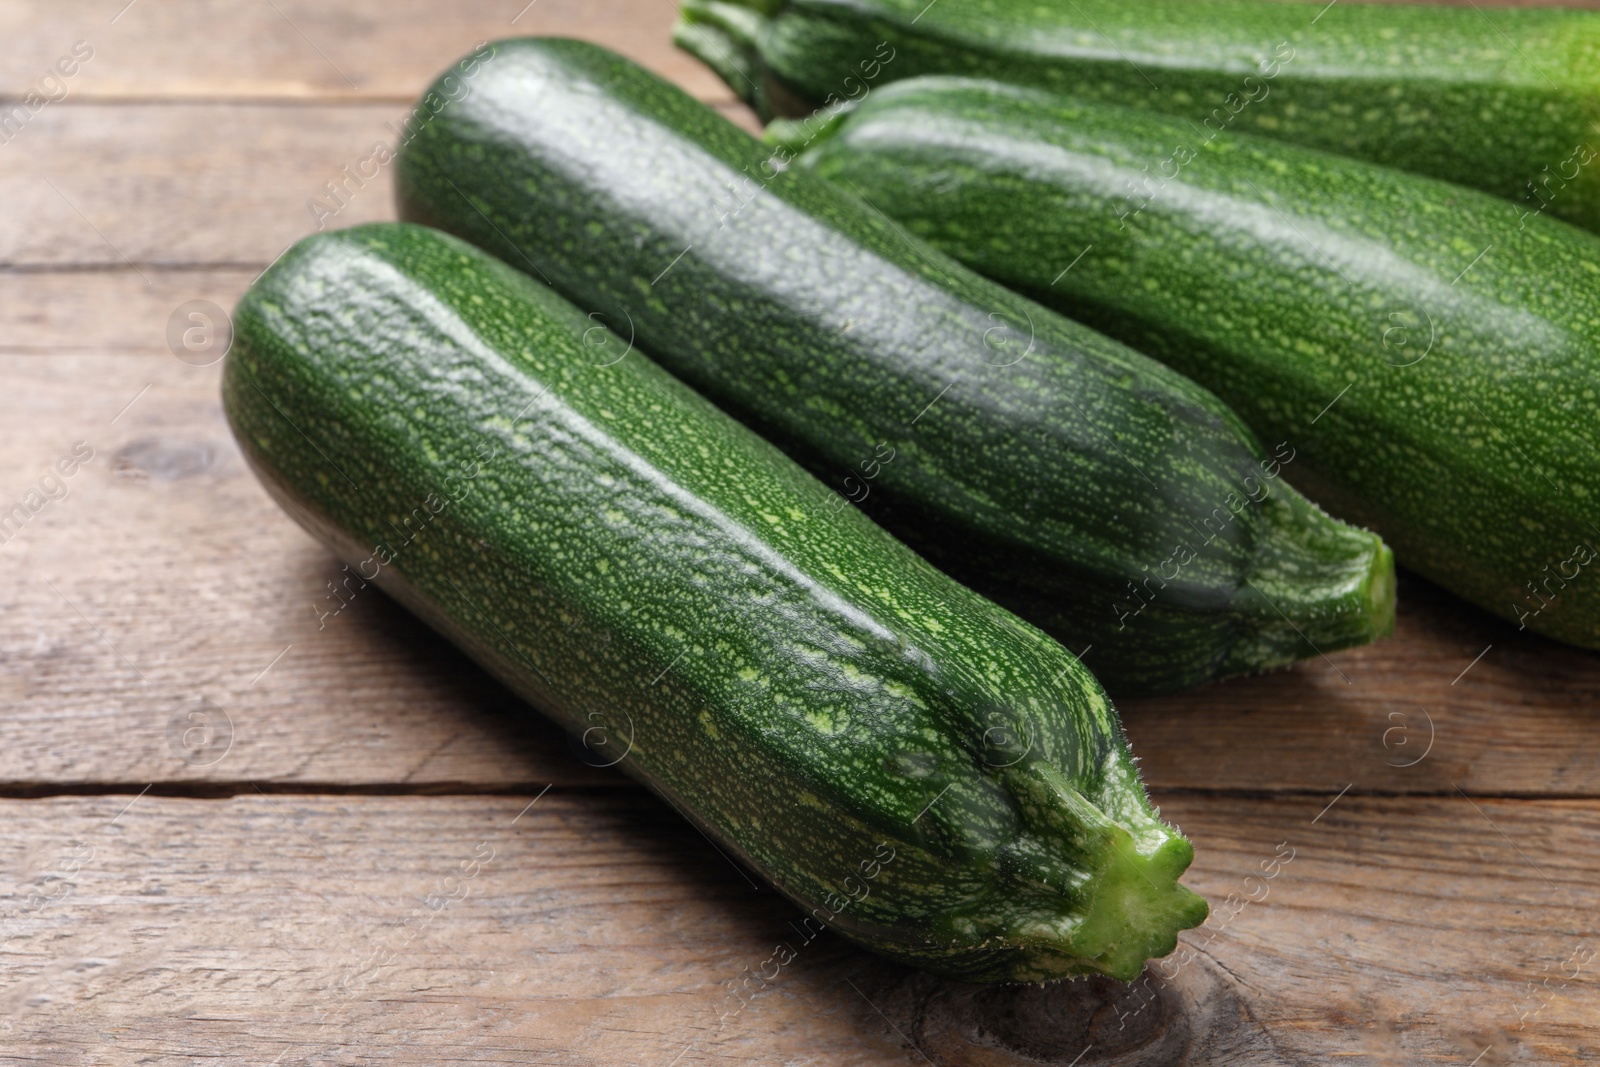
1318, 586
1129, 907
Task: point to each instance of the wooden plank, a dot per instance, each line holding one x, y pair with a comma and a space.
182, 184
300, 49
601, 929
1457, 698
109, 311
190, 582
194, 184
159, 576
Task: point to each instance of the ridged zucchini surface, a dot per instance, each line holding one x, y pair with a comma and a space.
911, 764
1093, 491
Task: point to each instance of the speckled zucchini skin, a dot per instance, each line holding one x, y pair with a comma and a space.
1037, 461
1502, 99
1434, 361
908, 762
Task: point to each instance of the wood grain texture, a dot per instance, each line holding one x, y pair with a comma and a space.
1456, 698
181, 184
304, 50
600, 929
194, 184
105, 312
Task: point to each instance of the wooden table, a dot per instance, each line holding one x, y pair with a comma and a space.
236, 829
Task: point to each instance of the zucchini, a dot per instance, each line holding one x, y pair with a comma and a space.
1506, 100
909, 763
1433, 360
1096, 493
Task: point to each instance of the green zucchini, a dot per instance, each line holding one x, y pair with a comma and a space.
1434, 361
1092, 491
909, 763
1506, 100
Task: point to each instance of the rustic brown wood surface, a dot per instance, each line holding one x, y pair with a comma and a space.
371, 852
596, 927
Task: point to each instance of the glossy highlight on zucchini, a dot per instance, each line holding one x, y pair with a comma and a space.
816, 698
1109, 501
1506, 100
1433, 360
